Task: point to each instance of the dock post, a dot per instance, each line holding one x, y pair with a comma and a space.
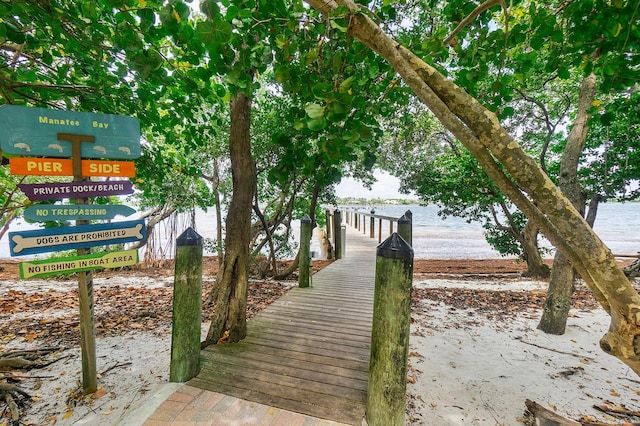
187, 308
404, 229
327, 212
390, 333
305, 251
337, 235
372, 225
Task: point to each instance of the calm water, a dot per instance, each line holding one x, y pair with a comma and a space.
618, 224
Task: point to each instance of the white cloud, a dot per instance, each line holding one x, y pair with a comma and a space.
386, 186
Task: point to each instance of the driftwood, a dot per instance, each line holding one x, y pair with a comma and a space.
556, 350
12, 395
632, 270
537, 415
26, 364
617, 411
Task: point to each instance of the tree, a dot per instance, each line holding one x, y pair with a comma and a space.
516, 174
117, 57
561, 284
432, 164
231, 301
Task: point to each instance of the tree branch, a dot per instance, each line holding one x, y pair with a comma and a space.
477, 11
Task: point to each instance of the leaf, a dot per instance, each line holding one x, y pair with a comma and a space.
67, 415
314, 111
316, 125
322, 90
220, 90
99, 393
346, 84
310, 57
339, 24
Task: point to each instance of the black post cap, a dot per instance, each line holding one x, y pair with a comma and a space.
404, 219
395, 247
305, 219
189, 238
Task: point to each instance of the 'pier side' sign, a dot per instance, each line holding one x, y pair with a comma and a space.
27, 166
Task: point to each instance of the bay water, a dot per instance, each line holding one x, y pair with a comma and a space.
617, 224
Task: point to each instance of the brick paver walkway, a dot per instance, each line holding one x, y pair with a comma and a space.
196, 407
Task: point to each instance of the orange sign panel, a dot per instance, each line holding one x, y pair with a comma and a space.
64, 167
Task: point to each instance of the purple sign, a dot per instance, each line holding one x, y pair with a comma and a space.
60, 190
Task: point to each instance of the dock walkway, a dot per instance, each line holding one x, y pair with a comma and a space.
308, 352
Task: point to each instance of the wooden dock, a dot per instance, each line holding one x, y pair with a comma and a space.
308, 352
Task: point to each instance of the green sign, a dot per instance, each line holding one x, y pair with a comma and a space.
49, 267
46, 212
42, 132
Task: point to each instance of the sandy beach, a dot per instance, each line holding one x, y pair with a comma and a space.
475, 353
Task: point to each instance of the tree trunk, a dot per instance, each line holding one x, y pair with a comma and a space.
229, 320
535, 264
312, 215
216, 175
518, 176
561, 285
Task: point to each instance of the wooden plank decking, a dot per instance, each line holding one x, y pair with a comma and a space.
308, 352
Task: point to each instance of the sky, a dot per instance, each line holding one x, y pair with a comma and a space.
387, 186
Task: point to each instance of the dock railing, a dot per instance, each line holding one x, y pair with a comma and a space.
371, 222
375, 225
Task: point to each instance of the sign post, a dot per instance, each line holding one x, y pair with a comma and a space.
85, 294
73, 144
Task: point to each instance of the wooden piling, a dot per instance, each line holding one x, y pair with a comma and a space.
187, 308
372, 225
337, 234
390, 333
327, 213
305, 252
404, 229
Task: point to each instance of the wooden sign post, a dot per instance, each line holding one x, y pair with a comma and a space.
73, 144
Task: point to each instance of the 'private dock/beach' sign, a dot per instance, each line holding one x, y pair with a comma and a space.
61, 190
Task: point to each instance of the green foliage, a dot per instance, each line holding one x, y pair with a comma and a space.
502, 240
611, 161
322, 100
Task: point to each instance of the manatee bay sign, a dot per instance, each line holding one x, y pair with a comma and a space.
36, 132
